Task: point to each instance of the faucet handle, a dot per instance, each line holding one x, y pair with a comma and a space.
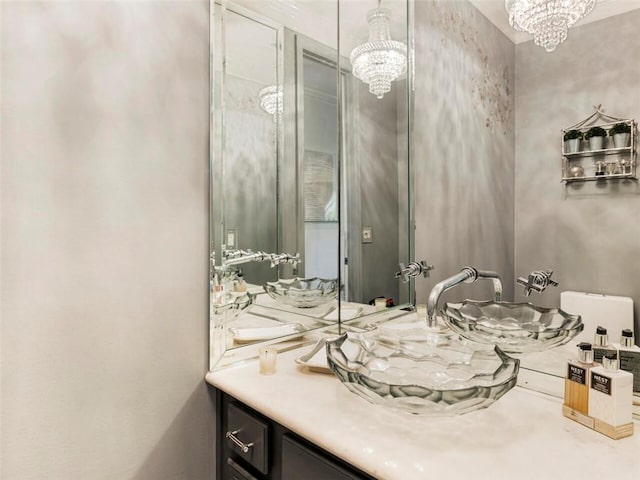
277, 259
291, 259
413, 269
237, 253
538, 281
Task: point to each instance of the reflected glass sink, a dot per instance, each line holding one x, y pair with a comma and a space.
514, 327
416, 374
303, 292
231, 304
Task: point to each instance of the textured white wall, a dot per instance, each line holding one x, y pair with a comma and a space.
104, 150
587, 232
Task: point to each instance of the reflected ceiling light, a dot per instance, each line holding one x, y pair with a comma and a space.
271, 99
547, 20
381, 60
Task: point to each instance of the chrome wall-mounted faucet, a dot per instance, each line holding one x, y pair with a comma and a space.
238, 257
537, 281
413, 269
466, 275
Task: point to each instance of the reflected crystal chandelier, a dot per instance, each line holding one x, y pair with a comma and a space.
547, 20
381, 60
271, 100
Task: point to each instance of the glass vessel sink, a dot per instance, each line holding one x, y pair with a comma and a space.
514, 327
422, 373
303, 292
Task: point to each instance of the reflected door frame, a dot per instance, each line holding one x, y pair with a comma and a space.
297, 47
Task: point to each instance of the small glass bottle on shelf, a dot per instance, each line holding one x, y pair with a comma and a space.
613, 167
576, 171
625, 166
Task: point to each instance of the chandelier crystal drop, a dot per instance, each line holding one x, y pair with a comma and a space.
381, 60
547, 20
271, 99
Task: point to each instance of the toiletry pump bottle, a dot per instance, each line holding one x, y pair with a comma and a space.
576, 383
601, 344
600, 339
627, 340
629, 357
611, 393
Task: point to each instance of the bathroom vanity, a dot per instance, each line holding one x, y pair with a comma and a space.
312, 421
252, 446
296, 131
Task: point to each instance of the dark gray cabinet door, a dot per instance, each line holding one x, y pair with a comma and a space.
302, 463
234, 471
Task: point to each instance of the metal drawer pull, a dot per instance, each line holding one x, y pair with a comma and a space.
232, 436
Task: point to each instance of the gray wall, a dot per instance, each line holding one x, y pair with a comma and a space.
587, 232
378, 162
463, 145
250, 184
104, 231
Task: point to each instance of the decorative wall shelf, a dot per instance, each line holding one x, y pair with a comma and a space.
607, 161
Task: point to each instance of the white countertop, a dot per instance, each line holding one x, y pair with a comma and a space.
521, 436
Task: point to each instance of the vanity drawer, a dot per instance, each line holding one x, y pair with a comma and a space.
248, 437
300, 462
234, 471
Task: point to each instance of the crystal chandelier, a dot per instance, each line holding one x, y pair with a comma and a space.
547, 20
271, 100
381, 60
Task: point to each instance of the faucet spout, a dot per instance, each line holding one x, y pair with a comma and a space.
466, 275
239, 257
497, 282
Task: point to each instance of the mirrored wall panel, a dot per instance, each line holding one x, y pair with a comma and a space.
376, 92
310, 209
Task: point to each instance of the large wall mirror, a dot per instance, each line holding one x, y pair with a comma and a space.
311, 172
310, 189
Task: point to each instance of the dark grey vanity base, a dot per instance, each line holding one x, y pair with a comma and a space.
268, 451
